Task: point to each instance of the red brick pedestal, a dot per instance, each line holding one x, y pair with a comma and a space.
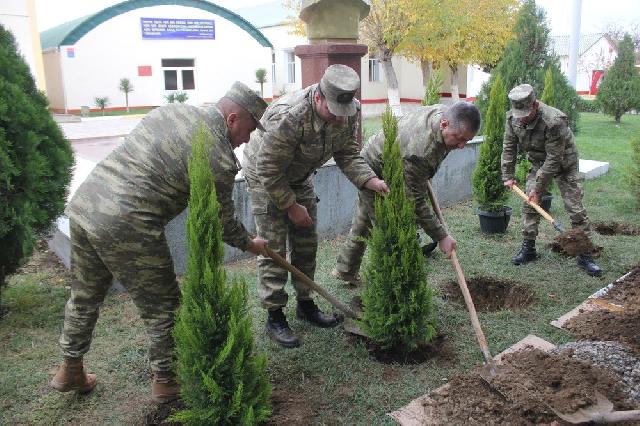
316, 58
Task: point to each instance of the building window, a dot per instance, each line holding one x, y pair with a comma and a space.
179, 74
291, 66
273, 68
374, 69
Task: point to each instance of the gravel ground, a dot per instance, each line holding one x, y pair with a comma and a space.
611, 356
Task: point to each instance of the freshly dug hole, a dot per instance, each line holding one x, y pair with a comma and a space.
490, 295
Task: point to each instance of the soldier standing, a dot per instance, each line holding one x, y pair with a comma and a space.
302, 131
544, 134
117, 219
426, 136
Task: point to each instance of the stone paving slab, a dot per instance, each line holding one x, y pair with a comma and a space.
412, 414
591, 169
100, 127
592, 303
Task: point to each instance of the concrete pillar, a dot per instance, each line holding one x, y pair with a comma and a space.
316, 58
574, 41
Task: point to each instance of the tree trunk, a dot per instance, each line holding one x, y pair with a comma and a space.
427, 68
392, 86
126, 98
455, 91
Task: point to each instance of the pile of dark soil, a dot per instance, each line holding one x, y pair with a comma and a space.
608, 326
573, 243
490, 295
613, 228
529, 383
626, 292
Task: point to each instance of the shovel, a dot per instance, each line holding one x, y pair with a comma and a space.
311, 284
539, 209
601, 412
482, 341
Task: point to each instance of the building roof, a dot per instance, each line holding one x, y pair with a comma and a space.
70, 32
265, 15
560, 44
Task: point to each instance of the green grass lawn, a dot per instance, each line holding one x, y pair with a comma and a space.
330, 379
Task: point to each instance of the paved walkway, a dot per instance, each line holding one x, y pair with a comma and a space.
100, 127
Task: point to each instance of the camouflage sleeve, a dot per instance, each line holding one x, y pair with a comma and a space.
350, 161
416, 174
233, 231
555, 141
275, 155
509, 152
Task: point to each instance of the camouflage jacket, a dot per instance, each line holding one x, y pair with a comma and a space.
422, 149
295, 143
547, 141
144, 182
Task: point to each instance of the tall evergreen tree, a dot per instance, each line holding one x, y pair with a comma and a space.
526, 59
488, 189
548, 94
222, 380
397, 301
35, 160
620, 88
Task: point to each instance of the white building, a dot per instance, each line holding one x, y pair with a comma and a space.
87, 57
596, 53
19, 17
191, 46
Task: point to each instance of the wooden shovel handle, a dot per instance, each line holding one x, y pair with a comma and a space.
310, 283
539, 209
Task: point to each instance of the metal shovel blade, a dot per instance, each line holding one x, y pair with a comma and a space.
601, 412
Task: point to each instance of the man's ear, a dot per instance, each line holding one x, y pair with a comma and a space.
231, 119
444, 123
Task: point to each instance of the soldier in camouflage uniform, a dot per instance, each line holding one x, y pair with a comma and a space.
117, 219
426, 136
302, 131
543, 133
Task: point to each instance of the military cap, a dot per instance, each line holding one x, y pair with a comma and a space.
249, 100
338, 85
522, 98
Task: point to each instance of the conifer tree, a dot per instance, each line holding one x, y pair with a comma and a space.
620, 88
397, 301
488, 189
526, 59
548, 94
35, 160
222, 380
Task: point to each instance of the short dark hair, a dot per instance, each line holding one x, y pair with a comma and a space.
463, 114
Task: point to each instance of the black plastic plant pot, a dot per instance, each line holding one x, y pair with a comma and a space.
494, 222
545, 202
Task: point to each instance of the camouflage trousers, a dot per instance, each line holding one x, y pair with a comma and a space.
569, 184
351, 253
300, 244
142, 263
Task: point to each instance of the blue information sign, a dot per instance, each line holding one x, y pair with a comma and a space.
163, 28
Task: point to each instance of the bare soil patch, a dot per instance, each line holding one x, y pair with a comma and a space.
613, 228
441, 348
608, 326
573, 243
161, 412
627, 291
529, 383
490, 295
295, 404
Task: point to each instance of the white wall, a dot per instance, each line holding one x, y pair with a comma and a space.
282, 42
115, 49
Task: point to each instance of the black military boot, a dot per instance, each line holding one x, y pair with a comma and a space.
526, 254
279, 331
586, 262
308, 311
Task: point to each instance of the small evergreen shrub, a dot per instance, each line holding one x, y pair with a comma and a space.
633, 172
588, 105
488, 189
222, 380
548, 94
620, 88
522, 170
35, 160
397, 301
102, 103
432, 92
